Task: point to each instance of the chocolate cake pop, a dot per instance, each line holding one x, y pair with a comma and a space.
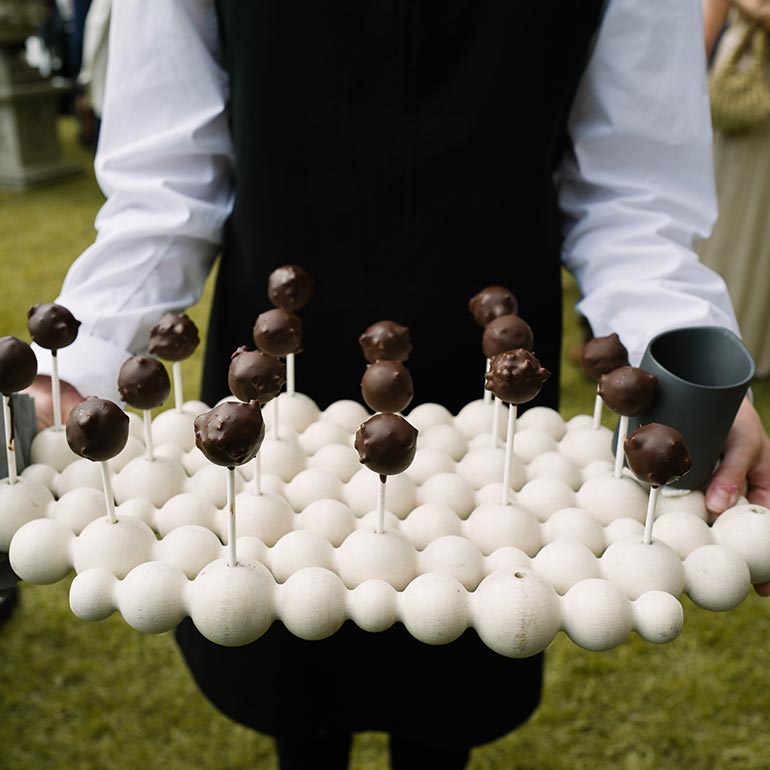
491, 302
658, 454
515, 376
290, 287
231, 433
278, 332
97, 429
386, 340
602, 355
254, 375
143, 382
506, 332
387, 386
174, 337
386, 444
628, 390
18, 365
52, 326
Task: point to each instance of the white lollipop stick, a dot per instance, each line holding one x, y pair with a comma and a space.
232, 558
495, 421
149, 447
257, 475
10, 449
109, 497
176, 376
55, 391
512, 411
290, 374
275, 418
598, 404
487, 393
652, 504
619, 453
381, 505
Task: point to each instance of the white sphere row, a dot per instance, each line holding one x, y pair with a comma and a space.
515, 613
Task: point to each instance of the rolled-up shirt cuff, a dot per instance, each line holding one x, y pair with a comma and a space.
90, 364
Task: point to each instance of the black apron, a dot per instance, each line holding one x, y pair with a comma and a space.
402, 151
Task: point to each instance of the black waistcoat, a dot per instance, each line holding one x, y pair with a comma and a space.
402, 151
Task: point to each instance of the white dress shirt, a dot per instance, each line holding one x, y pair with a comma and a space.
635, 187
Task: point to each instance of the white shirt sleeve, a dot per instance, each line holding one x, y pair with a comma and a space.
165, 164
637, 185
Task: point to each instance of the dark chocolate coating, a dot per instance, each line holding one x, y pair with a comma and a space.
97, 429
506, 332
290, 286
174, 337
603, 355
231, 433
254, 375
18, 365
492, 302
515, 376
387, 386
386, 341
52, 326
278, 332
386, 444
143, 382
628, 391
657, 454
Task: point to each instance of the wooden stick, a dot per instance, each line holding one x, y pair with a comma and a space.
149, 447
487, 393
381, 505
652, 504
10, 443
512, 411
232, 559
290, 374
598, 404
620, 454
109, 496
496, 421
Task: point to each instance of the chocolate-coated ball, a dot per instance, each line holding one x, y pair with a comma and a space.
386, 444
18, 365
254, 375
290, 286
143, 382
492, 302
387, 386
515, 376
52, 326
97, 429
658, 454
278, 332
602, 355
628, 391
231, 433
174, 337
386, 341
506, 332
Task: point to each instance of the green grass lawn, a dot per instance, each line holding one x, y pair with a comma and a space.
100, 696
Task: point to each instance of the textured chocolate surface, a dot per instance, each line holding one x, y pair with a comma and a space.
278, 332
628, 391
386, 341
386, 444
602, 355
492, 302
387, 386
174, 337
143, 382
254, 375
18, 365
52, 326
506, 332
231, 433
658, 454
290, 286
97, 429
515, 376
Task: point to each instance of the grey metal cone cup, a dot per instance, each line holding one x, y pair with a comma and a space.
703, 374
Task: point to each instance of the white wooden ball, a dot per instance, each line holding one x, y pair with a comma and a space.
267, 516
347, 413
210, 483
494, 526
607, 498
716, 578
597, 468
299, 549
454, 556
172, 427
372, 605
529, 443
597, 615
579, 421
310, 485
149, 597
506, 559
546, 496
555, 465
576, 525
427, 463
78, 508
41, 551
586, 445
542, 418
427, 415
283, 458
312, 603
682, 531
361, 491
367, 555
427, 522
636, 567
444, 438
21, 502
91, 594
183, 509
117, 547
450, 490
154, 480
194, 460
189, 549
564, 563
342, 461
133, 449
693, 502
434, 608
331, 519
41, 474
81, 473
322, 434
50, 447
624, 529
475, 418
746, 529
136, 508
658, 617
297, 411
